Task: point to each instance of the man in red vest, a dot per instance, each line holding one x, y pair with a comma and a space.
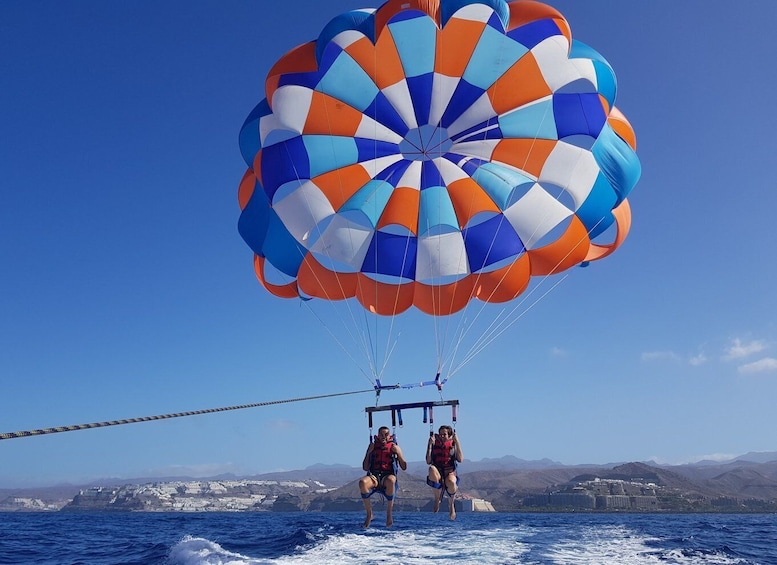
380, 463
443, 452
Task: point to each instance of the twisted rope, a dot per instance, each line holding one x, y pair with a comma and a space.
43, 431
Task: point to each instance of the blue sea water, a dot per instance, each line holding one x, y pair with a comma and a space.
270, 538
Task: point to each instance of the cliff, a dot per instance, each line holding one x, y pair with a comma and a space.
512, 485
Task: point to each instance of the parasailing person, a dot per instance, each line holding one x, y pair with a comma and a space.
380, 462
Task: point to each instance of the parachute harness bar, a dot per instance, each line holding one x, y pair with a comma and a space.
59, 429
396, 412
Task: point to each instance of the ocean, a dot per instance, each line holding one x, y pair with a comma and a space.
273, 538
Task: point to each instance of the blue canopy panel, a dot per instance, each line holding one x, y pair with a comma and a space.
534, 121
531, 34
370, 200
392, 255
493, 55
281, 249
382, 111
344, 79
249, 138
436, 213
255, 220
360, 20
606, 82
328, 152
502, 184
394, 172
420, 88
596, 210
369, 149
491, 242
306, 79
283, 162
463, 98
415, 37
501, 10
618, 161
470, 166
578, 114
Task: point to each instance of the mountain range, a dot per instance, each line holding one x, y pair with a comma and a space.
745, 483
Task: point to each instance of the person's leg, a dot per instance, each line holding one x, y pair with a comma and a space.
433, 479
366, 484
450, 487
389, 484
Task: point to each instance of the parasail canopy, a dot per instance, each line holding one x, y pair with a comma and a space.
431, 152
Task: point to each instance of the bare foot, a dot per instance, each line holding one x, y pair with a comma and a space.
367, 520
452, 510
389, 521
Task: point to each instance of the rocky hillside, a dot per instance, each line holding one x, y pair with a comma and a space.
510, 484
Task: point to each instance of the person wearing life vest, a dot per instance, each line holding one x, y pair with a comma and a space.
443, 452
379, 463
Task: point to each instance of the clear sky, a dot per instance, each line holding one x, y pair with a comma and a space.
126, 290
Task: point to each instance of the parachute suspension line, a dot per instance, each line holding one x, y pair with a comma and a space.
440, 324
434, 294
370, 345
339, 343
459, 340
463, 327
364, 341
379, 364
444, 324
497, 329
59, 429
297, 177
372, 329
358, 338
390, 334
451, 328
447, 332
503, 321
326, 327
296, 174
391, 344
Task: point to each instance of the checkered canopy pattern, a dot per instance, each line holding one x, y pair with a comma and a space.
428, 152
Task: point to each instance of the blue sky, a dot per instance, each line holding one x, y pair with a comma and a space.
127, 291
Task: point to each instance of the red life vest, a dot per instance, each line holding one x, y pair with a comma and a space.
443, 454
382, 460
